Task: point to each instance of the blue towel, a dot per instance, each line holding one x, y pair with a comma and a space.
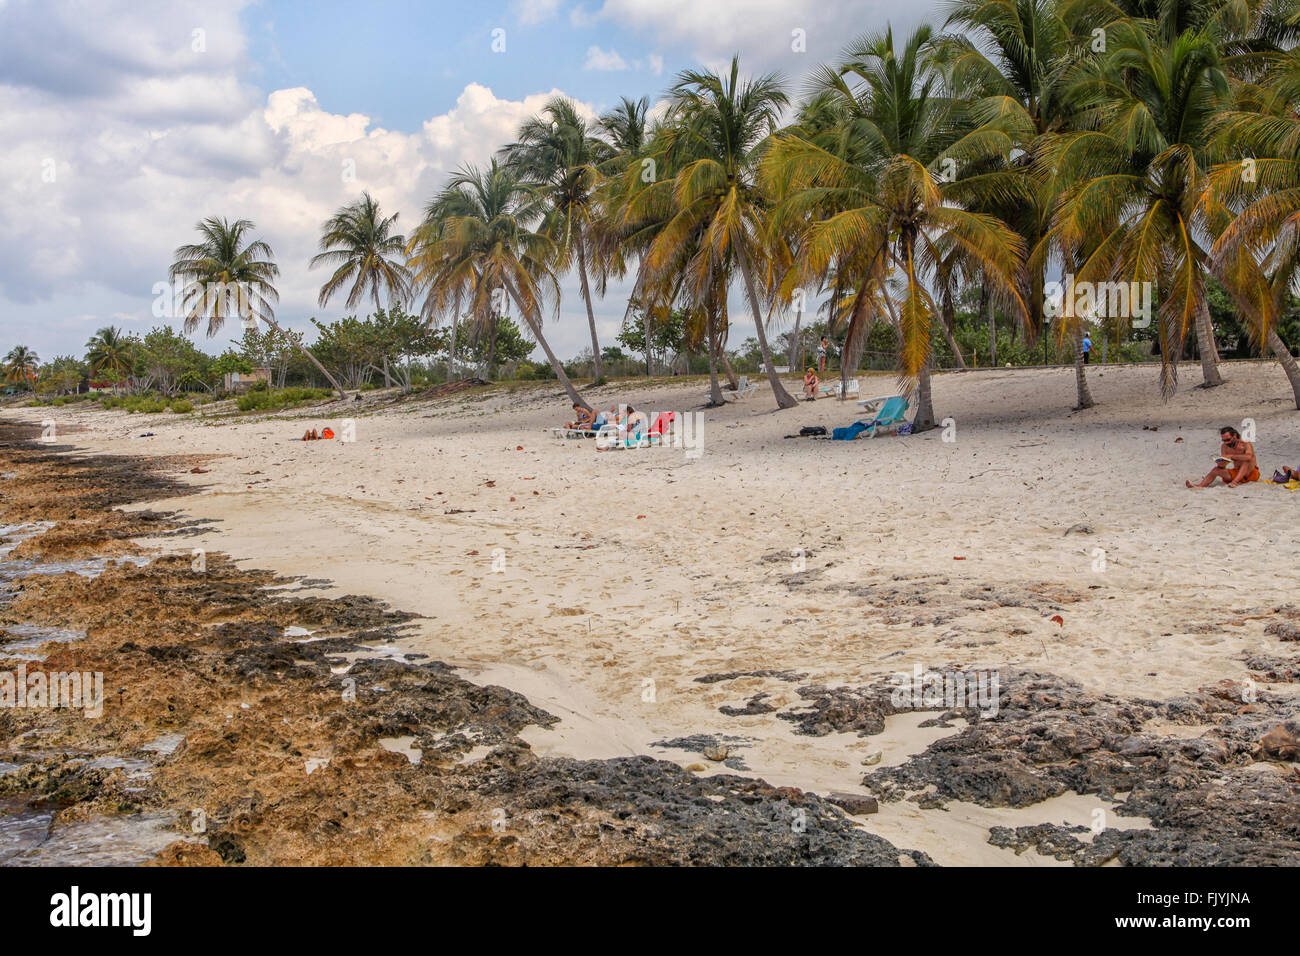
849, 433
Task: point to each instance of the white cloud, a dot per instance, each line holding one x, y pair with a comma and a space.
136, 163
760, 30
656, 63
598, 59
534, 11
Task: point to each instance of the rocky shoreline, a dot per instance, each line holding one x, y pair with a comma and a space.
248, 720
259, 745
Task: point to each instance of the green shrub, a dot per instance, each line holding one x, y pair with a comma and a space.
180, 406
264, 400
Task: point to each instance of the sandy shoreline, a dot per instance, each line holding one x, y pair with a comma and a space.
621, 579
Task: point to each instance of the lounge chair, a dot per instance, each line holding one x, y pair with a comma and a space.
892, 414
833, 388
612, 437
561, 432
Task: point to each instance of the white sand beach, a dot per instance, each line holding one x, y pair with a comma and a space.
622, 577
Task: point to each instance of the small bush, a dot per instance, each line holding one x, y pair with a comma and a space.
180, 406
264, 400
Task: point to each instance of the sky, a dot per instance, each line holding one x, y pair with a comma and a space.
122, 124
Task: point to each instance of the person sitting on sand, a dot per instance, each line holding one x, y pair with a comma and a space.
810, 383
1236, 462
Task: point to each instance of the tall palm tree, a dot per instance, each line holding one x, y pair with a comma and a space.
881, 216
626, 127
110, 352
721, 127
20, 365
636, 199
475, 248
359, 241
1257, 251
228, 276
558, 153
1017, 57
1138, 171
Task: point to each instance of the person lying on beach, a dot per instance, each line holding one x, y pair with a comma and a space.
1236, 461
1285, 474
810, 383
586, 418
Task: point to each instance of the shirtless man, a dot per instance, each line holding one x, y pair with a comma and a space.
1241, 455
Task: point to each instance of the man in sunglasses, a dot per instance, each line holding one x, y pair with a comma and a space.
1236, 462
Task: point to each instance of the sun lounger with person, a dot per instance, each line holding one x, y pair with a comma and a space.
586, 420
1235, 462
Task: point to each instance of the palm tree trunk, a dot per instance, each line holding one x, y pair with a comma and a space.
924, 419
783, 398
451, 350
1205, 342
715, 389
1289, 364
645, 327
732, 382
535, 327
597, 370
949, 319
313, 359
986, 310
1080, 373
794, 339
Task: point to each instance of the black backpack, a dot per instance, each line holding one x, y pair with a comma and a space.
809, 431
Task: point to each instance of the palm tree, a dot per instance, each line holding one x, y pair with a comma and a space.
720, 126
636, 200
1257, 252
625, 125
228, 276
1138, 171
359, 241
20, 365
881, 217
557, 153
1016, 57
475, 248
110, 352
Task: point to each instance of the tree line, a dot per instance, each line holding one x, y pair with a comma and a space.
1151, 145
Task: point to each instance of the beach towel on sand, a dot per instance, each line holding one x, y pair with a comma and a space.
849, 432
1292, 485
